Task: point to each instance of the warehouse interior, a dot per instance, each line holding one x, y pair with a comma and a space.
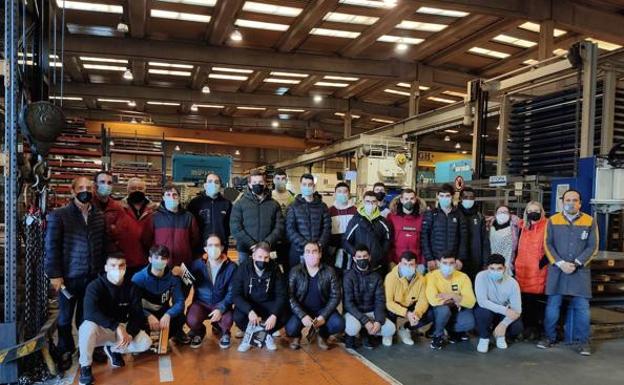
519, 99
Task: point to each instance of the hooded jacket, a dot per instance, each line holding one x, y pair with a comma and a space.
218, 293
254, 220
529, 267
402, 294
158, 292
307, 221
406, 230
178, 231
372, 231
269, 290
212, 216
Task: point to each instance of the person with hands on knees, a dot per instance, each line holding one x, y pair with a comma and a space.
212, 301
315, 293
451, 297
260, 295
161, 295
571, 242
406, 300
365, 303
114, 319
499, 303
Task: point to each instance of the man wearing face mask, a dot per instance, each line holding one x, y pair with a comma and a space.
260, 295
341, 213
380, 193
477, 240
369, 228
284, 197
158, 287
499, 303
212, 212
113, 213
571, 242
113, 318
451, 297
442, 230
307, 220
213, 294
256, 217
405, 219
406, 300
74, 254
365, 303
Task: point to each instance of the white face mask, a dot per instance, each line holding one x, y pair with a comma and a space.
214, 252
502, 218
116, 276
369, 208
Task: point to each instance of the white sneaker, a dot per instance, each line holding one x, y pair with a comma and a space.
501, 343
270, 343
484, 345
277, 334
387, 341
405, 336
243, 347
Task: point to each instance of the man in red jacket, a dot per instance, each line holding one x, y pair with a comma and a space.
406, 220
113, 213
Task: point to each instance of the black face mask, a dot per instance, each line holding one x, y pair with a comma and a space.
534, 216
409, 206
380, 196
136, 197
260, 264
84, 196
257, 188
362, 264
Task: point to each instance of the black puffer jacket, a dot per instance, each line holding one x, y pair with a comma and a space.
363, 293
329, 287
476, 242
375, 235
307, 221
254, 221
441, 234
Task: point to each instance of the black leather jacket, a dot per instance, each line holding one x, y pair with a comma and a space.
329, 287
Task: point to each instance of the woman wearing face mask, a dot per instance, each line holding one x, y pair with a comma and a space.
504, 231
530, 267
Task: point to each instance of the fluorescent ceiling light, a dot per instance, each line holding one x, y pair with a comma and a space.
514, 41
71, 98
342, 114
171, 65
158, 71
233, 70
396, 92
270, 9
420, 26
261, 25
530, 62
379, 120
204, 3
79, 29
103, 100
604, 44
251, 108
339, 17
452, 131
103, 59
334, 33
535, 27
163, 103
455, 93
400, 39
281, 81
366, 3
290, 110
441, 100
407, 85
31, 63
289, 74
209, 106
93, 7
103, 67
441, 12
488, 52
162, 14
345, 78
331, 84
227, 77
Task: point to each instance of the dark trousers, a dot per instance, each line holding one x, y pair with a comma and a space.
175, 325
131, 271
198, 313
452, 319
282, 249
426, 319
242, 319
533, 307
487, 320
77, 288
333, 325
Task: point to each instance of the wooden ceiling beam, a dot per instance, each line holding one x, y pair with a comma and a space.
299, 30
137, 10
255, 81
222, 20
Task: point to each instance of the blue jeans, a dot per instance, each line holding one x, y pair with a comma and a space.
334, 325
453, 321
426, 319
577, 325
486, 319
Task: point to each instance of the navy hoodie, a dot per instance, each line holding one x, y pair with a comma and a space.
156, 292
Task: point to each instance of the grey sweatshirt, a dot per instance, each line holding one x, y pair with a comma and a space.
497, 296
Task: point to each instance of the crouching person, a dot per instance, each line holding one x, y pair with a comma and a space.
113, 318
213, 294
365, 303
406, 300
158, 287
500, 304
260, 295
450, 294
315, 293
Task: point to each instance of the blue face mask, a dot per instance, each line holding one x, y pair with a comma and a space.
211, 189
307, 191
159, 264
447, 270
468, 204
104, 190
407, 272
495, 275
342, 199
570, 208
445, 202
171, 204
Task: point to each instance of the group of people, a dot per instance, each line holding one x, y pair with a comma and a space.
372, 270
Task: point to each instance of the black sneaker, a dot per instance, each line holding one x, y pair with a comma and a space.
437, 343
368, 343
196, 342
224, 342
545, 344
99, 356
349, 342
86, 378
182, 339
458, 337
65, 362
116, 359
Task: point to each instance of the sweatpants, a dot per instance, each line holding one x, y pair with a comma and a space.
353, 326
198, 313
92, 335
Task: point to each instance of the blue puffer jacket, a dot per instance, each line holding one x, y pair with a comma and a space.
209, 293
157, 292
74, 249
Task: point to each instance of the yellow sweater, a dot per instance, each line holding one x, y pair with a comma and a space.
401, 294
458, 283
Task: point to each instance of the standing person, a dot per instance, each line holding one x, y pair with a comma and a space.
113, 213
369, 228
284, 197
406, 218
340, 213
530, 268
477, 240
307, 220
260, 295
315, 293
499, 304
504, 232
571, 242
213, 294
212, 212
380, 193
256, 218
442, 231
74, 254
